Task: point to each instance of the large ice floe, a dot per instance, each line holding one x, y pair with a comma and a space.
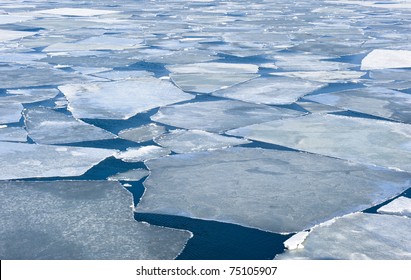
369, 141
120, 99
19, 160
78, 220
278, 191
357, 236
217, 116
382, 59
46, 126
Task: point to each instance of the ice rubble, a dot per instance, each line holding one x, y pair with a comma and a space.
14, 134
10, 112
381, 59
131, 175
78, 220
218, 116
375, 101
46, 126
187, 141
357, 236
368, 141
271, 190
120, 99
275, 90
142, 153
143, 133
19, 160
400, 206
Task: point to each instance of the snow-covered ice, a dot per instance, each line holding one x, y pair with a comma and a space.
400, 206
381, 59
142, 153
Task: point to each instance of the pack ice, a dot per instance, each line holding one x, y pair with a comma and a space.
78, 220
368, 141
271, 190
357, 236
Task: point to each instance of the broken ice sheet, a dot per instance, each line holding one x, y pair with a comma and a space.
324, 76
131, 175
375, 101
14, 134
19, 160
218, 116
10, 112
275, 90
142, 153
143, 133
368, 141
187, 141
28, 95
46, 126
357, 236
400, 206
381, 59
120, 99
78, 220
8, 35
271, 190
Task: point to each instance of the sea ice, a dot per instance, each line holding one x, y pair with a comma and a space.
120, 99
122, 75
19, 160
79, 12
10, 112
278, 191
143, 133
325, 76
381, 59
218, 116
142, 153
14, 134
400, 206
46, 126
213, 68
275, 90
131, 175
187, 141
8, 35
368, 141
28, 95
375, 101
78, 220
317, 108
308, 62
357, 236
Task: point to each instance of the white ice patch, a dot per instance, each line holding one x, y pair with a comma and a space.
30, 160
46, 126
368, 141
382, 59
143, 133
357, 236
131, 175
400, 206
121, 99
10, 112
142, 153
82, 220
218, 116
276, 90
375, 101
271, 190
295, 242
76, 12
187, 141
325, 76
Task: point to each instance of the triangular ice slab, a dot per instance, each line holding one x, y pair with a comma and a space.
400, 206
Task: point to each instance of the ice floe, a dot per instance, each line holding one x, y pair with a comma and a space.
142, 153
120, 99
8, 35
213, 68
400, 206
19, 160
357, 236
325, 76
143, 133
271, 190
46, 126
187, 141
80, 12
131, 175
218, 116
13, 134
369, 141
381, 59
28, 95
78, 220
10, 112
275, 90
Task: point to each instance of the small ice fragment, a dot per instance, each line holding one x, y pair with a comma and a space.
131, 175
295, 241
142, 153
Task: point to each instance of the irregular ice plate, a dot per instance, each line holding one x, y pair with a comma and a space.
275, 90
213, 68
28, 95
142, 133
324, 76
357, 236
187, 141
30, 160
375, 101
8, 35
218, 116
381, 59
10, 112
78, 220
131, 175
400, 206
121, 99
15, 134
271, 190
360, 140
46, 126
